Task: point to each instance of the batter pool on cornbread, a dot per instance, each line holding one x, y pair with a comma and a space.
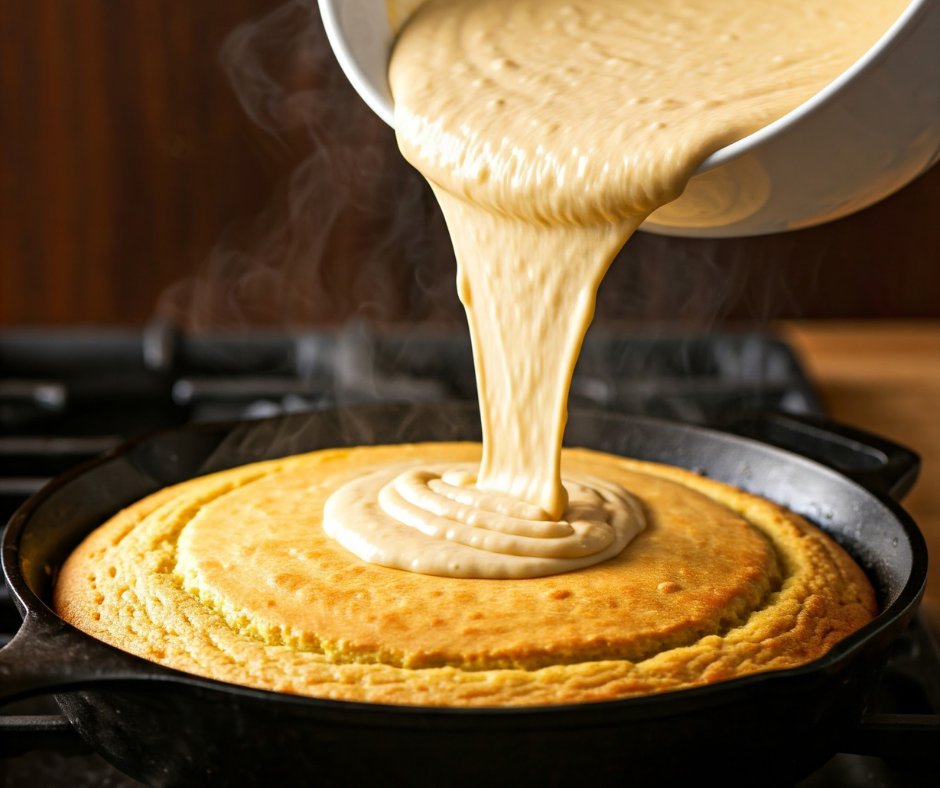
549, 131
512, 572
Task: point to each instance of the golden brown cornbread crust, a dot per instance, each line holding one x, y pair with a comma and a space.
231, 577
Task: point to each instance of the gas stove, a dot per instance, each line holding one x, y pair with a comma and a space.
67, 396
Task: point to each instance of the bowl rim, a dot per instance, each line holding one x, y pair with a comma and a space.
865, 63
908, 18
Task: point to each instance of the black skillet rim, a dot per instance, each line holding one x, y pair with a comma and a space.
658, 705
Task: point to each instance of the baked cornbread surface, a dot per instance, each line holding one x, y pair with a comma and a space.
231, 576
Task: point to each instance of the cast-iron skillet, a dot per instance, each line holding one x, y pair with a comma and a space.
164, 727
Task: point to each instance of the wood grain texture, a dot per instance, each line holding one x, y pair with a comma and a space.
884, 377
123, 153
133, 183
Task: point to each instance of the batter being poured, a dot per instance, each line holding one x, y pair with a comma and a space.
549, 131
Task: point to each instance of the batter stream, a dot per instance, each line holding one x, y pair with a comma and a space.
550, 130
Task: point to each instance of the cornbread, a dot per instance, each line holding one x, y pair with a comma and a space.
231, 576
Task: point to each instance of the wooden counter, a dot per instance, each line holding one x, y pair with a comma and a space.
884, 377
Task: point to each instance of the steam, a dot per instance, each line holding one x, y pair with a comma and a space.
692, 284
353, 232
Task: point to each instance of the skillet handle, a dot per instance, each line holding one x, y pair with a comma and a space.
49, 655
879, 465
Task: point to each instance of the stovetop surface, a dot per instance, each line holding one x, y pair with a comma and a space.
67, 396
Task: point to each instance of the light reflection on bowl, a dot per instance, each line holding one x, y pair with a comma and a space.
867, 134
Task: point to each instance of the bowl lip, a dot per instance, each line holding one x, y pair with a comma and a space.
343, 51
655, 705
869, 60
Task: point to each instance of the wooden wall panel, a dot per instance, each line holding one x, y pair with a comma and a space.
123, 152
133, 184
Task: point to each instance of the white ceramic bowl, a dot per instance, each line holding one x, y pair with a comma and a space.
870, 132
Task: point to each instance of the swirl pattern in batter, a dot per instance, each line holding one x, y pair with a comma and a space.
436, 521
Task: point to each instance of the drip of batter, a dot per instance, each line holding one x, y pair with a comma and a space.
437, 520
549, 131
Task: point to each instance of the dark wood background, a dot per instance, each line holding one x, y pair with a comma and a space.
206, 162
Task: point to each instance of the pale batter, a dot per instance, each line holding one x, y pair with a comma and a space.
550, 130
468, 532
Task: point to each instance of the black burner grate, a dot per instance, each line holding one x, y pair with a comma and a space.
68, 396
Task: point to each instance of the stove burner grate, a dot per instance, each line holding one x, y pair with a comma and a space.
66, 397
